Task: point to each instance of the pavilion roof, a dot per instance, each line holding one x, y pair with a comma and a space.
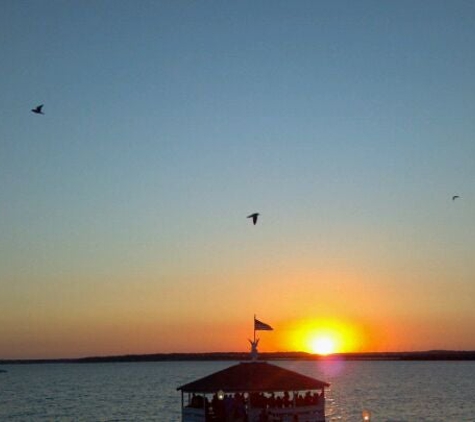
253, 377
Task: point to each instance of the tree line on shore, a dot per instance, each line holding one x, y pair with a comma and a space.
243, 356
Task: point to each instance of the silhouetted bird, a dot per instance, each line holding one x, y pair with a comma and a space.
254, 217
37, 109
455, 197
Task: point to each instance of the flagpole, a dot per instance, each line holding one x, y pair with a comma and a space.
254, 325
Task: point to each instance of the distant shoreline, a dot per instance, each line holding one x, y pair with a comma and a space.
243, 356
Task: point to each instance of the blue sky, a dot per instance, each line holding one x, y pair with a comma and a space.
348, 125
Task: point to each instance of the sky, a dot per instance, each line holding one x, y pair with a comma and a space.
347, 125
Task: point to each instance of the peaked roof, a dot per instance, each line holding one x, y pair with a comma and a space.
253, 376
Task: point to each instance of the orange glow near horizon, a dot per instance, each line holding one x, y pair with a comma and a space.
325, 336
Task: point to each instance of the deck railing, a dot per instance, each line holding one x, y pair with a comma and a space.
312, 413
192, 414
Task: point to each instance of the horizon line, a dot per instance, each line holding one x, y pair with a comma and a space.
438, 354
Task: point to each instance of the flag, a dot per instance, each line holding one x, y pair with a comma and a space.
258, 325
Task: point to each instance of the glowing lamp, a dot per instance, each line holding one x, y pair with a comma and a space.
220, 395
366, 416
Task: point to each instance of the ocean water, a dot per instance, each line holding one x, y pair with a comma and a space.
392, 391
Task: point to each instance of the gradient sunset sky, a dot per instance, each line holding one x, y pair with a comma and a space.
348, 125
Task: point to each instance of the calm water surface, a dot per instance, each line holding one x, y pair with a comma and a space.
393, 391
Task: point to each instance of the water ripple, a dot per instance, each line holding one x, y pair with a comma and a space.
146, 392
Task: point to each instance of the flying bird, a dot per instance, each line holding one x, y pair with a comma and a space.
254, 217
455, 197
38, 109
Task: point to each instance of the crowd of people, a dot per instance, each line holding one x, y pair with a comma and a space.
227, 407
261, 400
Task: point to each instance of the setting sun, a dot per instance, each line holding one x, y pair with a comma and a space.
322, 345
325, 336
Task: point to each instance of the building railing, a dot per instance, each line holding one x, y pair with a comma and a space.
192, 414
312, 413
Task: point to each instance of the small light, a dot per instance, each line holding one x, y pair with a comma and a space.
366, 415
220, 394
